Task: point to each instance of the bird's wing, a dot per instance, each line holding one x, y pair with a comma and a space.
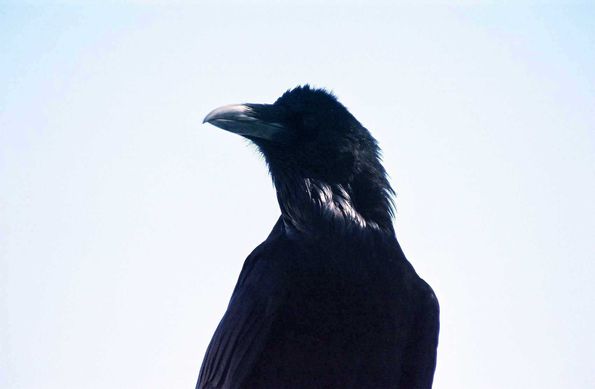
243, 331
419, 361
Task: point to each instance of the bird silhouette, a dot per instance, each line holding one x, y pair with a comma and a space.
328, 300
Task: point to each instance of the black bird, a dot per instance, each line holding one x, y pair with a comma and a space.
328, 300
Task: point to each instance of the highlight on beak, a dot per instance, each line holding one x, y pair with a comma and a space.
243, 119
228, 112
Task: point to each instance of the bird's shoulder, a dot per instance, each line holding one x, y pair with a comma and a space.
244, 328
428, 300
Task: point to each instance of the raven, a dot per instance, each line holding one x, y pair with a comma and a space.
328, 300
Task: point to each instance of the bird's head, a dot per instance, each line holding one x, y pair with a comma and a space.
311, 142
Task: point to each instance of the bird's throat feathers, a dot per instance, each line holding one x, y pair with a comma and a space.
313, 206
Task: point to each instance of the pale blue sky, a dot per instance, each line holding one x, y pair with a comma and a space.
124, 222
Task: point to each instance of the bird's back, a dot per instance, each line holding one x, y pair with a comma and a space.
327, 311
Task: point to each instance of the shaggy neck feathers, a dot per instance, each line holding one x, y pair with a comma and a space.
314, 206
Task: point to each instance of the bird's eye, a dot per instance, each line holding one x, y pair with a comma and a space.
309, 127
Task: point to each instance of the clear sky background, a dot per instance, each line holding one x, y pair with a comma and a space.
124, 221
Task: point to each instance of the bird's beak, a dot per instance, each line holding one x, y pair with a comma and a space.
249, 120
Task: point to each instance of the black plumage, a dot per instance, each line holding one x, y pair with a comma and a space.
328, 300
